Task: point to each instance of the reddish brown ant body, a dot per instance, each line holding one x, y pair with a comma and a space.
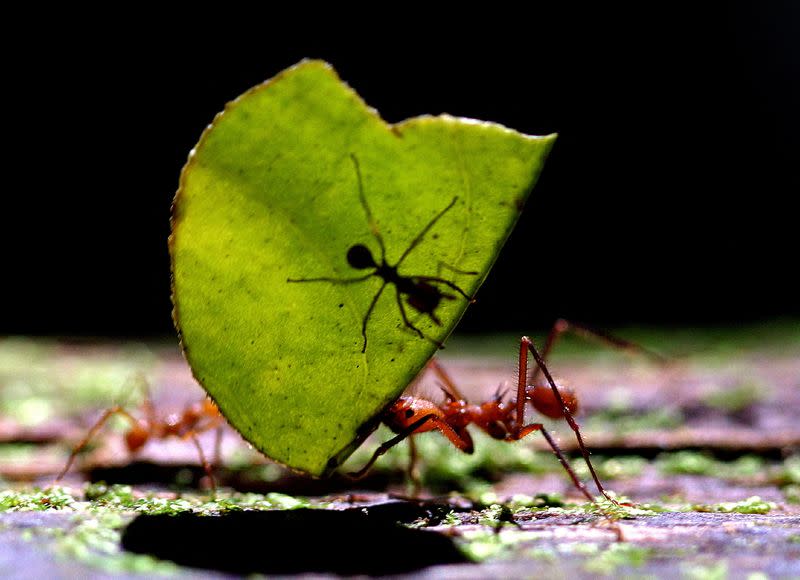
501, 420
421, 292
196, 418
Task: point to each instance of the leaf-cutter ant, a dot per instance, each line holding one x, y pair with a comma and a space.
420, 292
500, 419
196, 418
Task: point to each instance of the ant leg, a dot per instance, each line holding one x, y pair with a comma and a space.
409, 324
451, 388
528, 429
413, 471
368, 314
562, 326
405, 317
463, 443
218, 447
206, 466
446, 283
116, 410
526, 344
424, 231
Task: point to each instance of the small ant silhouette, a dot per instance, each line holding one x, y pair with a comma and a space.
195, 419
501, 420
420, 291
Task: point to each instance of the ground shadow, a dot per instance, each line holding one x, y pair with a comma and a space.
354, 541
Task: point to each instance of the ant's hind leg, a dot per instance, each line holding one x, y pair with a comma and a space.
447, 283
563, 326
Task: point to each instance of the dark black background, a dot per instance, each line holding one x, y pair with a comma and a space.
668, 198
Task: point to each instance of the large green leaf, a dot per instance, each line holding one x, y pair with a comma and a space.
270, 193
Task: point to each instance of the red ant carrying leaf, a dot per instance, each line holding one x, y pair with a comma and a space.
196, 418
502, 420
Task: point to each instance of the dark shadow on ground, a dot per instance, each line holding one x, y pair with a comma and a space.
353, 541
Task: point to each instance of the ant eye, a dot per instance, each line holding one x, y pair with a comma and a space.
360, 257
409, 413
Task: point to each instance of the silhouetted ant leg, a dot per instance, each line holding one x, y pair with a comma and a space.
533, 427
447, 283
410, 325
368, 314
464, 444
405, 316
562, 326
526, 344
116, 410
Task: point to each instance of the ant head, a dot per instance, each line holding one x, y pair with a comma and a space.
360, 257
544, 401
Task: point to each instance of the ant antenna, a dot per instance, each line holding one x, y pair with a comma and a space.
373, 225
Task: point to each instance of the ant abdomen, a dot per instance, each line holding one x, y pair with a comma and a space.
136, 438
544, 400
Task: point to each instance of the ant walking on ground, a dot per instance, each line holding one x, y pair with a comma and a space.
195, 419
420, 292
501, 420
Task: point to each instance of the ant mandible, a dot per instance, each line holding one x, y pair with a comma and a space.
501, 420
420, 292
196, 418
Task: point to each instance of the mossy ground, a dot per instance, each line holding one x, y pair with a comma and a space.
699, 447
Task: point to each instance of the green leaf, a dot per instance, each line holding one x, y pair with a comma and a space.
270, 193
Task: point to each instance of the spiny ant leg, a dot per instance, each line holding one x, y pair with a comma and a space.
373, 225
526, 344
424, 231
368, 314
116, 410
533, 427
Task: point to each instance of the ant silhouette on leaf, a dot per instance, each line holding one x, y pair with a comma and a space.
500, 419
420, 292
